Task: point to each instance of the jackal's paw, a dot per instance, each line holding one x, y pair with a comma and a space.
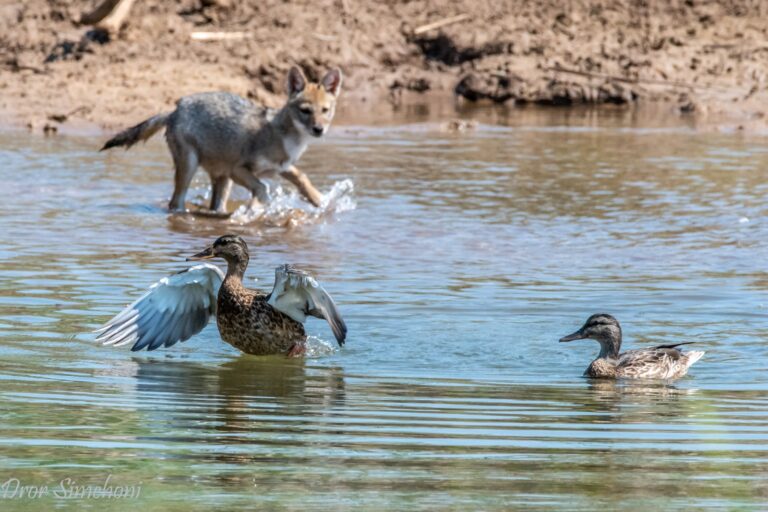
211, 214
319, 201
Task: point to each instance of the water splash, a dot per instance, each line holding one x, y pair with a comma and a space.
288, 208
317, 348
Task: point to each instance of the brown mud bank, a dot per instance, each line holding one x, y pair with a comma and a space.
701, 58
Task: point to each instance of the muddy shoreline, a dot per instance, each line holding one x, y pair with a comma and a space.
703, 60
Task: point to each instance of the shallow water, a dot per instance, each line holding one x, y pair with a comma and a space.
458, 261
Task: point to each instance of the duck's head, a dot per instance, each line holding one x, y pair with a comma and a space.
602, 328
230, 247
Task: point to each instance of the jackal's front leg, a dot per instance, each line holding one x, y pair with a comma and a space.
243, 175
305, 186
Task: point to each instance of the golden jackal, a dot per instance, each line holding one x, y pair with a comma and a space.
237, 140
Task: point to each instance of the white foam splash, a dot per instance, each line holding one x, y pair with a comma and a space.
290, 209
318, 348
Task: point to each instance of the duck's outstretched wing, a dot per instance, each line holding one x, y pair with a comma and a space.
297, 294
174, 309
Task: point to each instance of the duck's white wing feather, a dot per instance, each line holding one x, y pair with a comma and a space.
659, 362
174, 309
297, 294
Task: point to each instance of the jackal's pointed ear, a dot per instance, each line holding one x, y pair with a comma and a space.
296, 81
332, 81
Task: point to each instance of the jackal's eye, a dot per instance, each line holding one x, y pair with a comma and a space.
305, 110
325, 110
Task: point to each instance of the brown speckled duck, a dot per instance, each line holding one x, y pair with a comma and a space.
659, 362
180, 306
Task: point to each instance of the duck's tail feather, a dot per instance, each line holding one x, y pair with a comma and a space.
693, 356
675, 345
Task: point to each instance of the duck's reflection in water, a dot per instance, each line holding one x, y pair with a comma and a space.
269, 401
649, 390
638, 400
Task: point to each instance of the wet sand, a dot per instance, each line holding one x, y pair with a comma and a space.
705, 61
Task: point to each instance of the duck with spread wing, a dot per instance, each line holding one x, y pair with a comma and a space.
180, 306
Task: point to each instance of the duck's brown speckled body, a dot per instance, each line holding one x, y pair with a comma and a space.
601, 368
245, 317
247, 322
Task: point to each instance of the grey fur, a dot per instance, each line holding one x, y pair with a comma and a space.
140, 132
235, 140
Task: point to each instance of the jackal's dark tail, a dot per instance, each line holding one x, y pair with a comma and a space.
134, 134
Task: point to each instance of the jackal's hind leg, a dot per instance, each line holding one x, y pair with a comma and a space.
222, 186
301, 181
185, 161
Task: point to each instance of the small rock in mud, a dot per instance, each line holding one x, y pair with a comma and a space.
71, 50
458, 126
412, 84
685, 104
443, 48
